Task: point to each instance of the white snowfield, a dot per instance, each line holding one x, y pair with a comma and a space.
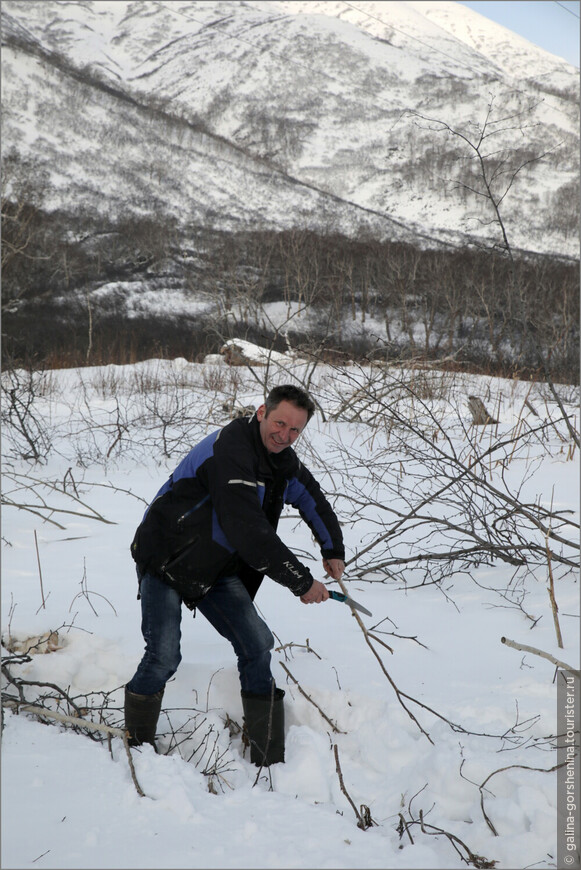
471, 710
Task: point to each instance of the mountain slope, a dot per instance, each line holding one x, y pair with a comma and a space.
283, 114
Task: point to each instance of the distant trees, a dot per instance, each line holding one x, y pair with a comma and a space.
480, 308
564, 208
503, 313
383, 300
26, 251
52, 255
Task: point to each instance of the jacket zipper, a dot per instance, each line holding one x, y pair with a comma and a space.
182, 519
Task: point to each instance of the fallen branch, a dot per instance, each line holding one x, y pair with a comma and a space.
19, 683
39, 570
401, 694
471, 857
552, 598
398, 693
523, 647
510, 767
85, 723
364, 819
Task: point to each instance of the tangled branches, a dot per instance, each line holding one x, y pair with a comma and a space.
445, 496
99, 716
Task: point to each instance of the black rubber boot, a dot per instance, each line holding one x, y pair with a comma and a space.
264, 727
141, 715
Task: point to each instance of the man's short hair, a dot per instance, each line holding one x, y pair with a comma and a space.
289, 393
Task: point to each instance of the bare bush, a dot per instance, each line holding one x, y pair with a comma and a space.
24, 424
443, 499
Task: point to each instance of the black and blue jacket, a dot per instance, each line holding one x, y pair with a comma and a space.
218, 513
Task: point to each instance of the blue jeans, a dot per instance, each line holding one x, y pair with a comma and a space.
228, 607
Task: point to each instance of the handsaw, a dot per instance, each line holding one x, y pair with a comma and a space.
338, 596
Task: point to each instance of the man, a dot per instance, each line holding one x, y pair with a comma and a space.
208, 539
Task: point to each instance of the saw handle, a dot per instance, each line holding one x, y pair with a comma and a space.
338, 596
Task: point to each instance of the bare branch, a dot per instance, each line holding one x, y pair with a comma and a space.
523, 647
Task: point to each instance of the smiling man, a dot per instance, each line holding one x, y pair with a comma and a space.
208, 539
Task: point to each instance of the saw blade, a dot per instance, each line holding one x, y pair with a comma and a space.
338, 596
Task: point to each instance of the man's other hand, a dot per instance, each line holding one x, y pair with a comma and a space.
317, 593
334, 568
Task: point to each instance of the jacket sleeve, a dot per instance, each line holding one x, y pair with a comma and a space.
304, 493
233, 487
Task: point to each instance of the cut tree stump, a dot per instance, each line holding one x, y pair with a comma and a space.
480, 416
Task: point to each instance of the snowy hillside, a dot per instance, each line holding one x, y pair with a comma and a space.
290, 114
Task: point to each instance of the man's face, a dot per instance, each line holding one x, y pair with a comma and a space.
282, 426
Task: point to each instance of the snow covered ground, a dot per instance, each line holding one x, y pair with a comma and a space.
474, 705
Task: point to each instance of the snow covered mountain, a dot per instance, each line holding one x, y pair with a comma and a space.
348, 117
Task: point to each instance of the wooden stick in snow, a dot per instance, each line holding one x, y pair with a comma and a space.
538, 652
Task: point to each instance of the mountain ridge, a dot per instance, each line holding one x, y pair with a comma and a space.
211, 62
